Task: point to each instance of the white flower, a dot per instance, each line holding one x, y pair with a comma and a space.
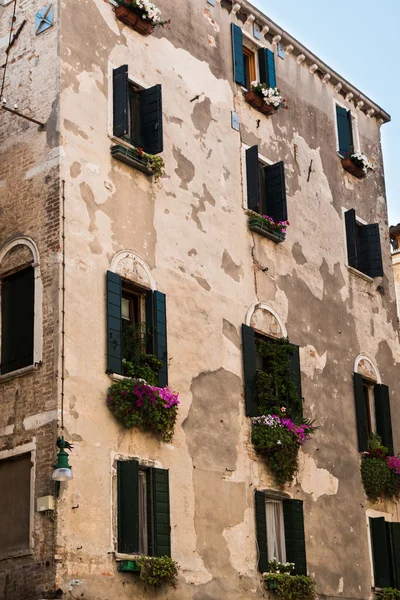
279, 442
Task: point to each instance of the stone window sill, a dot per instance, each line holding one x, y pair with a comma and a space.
124, 152
117, 377
16, 554
120, 556
19, 372
360, 274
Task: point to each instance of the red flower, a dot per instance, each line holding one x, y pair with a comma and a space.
140, 150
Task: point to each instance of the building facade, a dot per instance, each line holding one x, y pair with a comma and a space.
90, 240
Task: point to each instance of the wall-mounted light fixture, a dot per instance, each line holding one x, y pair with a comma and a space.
62, 470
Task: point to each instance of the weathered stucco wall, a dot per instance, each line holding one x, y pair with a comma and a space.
29, 208
396, 272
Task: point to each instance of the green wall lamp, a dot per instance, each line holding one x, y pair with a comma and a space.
62, 470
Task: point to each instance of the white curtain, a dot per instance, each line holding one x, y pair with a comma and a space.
275, 530
143, 540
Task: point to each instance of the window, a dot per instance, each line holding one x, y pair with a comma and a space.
385, 545
17, 320
344, 123
15, 505
363, 246
143, 510
372, 412
253, 363
128, 307
244, 62
266, 186
249, 67
137, 113
280, 531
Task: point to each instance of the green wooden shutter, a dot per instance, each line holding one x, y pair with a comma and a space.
238, 57
161, 527
275, 191
393, 533
344, 126
249, 370
266, 63
17, 320
128, 506
380, 552
120, 101
261, 531
383, 417
361, 413
294, 535
252, 176
156, 318
151, 337
151, 121
114, 323
370, 260
351, 237
295, 374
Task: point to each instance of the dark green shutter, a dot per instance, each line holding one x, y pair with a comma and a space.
294, 535
380, 552
361, 413
370, 259
351, 237
253, 182
161, 527
275, 191
151, 336
151, 122
160, 312
295, 374
261, 531
114, 323
120, 101
345, 132
249, 370
238, 57
266, 63
17, 320
128, 506
393, 532
383, 417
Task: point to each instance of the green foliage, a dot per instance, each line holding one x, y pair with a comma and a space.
378, 479
275, 384
388, 594
280, 448
158, 571
135, 363
291, 587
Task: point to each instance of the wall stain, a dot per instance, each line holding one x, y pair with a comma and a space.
185, 169
206, 197
230, 268
230, 332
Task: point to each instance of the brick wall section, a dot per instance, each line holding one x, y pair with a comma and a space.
30, 206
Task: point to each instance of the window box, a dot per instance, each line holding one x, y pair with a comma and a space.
256, 225
257, 102
133, 20
350, 167
271, 584
129, 565
128, 157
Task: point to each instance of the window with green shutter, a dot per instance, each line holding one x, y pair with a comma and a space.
363, 246
143, 510
344, 130
381, 556
266, 186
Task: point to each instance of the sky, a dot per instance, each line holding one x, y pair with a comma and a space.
358, 40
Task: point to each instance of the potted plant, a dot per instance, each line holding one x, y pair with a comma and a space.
141, 15
266, 100
388, 594
266, 226
380, 473
151, 164
158, 570
295, 587
357, 164
276, 567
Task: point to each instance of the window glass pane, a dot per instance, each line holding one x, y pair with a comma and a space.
125, 308
143, 529
275, 530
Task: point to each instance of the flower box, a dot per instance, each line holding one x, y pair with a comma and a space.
133, 20
262, 228
271, 584
349, 166
129, 565
257, 102
128, 157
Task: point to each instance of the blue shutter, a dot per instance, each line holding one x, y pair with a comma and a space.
361, 413
271, 77
253, 181
370, 258
120, 101
275, 191
249, 370
151, 121
380, 552
383, 417
114, 323
261, 531
351, 237
345, 131
238, 57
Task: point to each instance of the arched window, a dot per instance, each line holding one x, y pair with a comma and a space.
21, 305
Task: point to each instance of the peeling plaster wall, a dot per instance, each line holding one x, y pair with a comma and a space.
191, 231
396, 272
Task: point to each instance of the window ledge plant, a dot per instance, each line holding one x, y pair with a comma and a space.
151, 164
141, 15
158, 571
388, 594
380, 473
295, 587
265, 99
357, 164
266, 226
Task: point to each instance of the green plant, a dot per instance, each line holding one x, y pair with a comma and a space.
280, 448
135, 363
135, 403
275, 383
388, 594
377, 476
274, 566
158, 571
291, 587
